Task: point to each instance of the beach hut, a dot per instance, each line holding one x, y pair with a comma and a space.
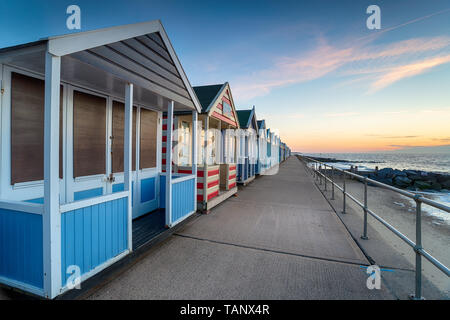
81, 138
247, 147
262, 163
217, 143
274, 146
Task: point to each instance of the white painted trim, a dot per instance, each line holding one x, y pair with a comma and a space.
169, 133
127, 157
75, 42
51, 219
28, 207
97, 269
137, 187
183, 218
92, 201
181, 178
108, 145
22, 286
194, 154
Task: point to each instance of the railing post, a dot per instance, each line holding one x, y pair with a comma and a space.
364, 236
316, 167
332, 183
320, 174
325, 176
418, 246
343, 192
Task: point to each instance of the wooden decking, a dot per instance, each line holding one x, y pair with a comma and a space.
147, 227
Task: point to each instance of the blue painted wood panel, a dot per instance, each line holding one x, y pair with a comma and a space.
148, 189
93, 235
162, 191
118, 187
37, 200
183, 201
85, 194
21, 254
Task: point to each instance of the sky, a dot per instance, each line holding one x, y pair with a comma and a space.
312, 69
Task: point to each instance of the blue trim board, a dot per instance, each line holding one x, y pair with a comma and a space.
85, 194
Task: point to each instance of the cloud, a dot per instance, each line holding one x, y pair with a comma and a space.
289, 70
376, 65
406, 71
400, 137
343, 114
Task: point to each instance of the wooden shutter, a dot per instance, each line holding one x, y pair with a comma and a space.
89, 134
118, 137
27, 129
149, 125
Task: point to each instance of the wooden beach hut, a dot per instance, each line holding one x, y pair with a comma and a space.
81, 139
262, 163
217, 143
248, 146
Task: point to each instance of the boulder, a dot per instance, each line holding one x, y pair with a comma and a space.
402, 181
385, 173
436, 186
422, 185
398, 173
386, 181
442, 177
411, 172
445, 184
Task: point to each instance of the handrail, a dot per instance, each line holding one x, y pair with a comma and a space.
417, 246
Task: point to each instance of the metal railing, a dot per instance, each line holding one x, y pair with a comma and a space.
319, 171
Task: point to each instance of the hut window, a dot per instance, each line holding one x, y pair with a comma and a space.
117, 137
27, 129
226, 110
149, 124
89, 134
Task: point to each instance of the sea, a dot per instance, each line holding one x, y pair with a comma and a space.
430, 162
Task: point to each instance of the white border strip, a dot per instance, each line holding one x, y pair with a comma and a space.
28, 207
97, 269
182, 218
22, 286
179, 179
92, 201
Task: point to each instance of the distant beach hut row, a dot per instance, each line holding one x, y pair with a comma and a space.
87, 120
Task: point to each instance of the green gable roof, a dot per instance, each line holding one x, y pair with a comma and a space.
206, 94
243, 117
261, 124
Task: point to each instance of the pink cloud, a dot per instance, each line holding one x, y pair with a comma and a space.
393, 61
406, 71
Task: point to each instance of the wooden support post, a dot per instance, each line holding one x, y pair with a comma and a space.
169, 164
52, 218
194, 153
127, 154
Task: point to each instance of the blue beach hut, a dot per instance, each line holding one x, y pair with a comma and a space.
81, 140
248, 147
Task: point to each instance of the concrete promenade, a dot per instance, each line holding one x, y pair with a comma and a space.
278, 239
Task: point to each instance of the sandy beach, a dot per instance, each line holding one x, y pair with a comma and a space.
399, 211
